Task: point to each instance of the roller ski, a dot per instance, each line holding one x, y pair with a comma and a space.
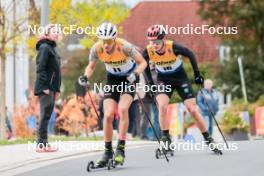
105, 162
160, 152
213, 146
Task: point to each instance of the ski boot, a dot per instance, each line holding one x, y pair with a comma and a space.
213, 146
119, 157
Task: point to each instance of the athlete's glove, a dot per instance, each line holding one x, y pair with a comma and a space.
198, 78
83, 80
133, 78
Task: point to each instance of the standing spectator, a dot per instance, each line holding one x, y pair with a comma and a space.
212, 99
48, 81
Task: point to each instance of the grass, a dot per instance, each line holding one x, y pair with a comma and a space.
51, 139
57, 138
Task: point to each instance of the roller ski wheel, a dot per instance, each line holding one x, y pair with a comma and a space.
171, 153
101, 163
113, 163
217, 152
90, 166
159, 153
110, 164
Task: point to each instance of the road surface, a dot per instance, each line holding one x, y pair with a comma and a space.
247, 160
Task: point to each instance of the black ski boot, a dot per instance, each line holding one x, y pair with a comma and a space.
166, 140
212, 145
103, 161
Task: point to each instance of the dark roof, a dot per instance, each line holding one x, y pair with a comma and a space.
173, 14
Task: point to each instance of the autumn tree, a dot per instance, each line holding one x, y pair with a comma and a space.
248, 44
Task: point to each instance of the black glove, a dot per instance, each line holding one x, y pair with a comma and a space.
83, 80
133, 78
198, 78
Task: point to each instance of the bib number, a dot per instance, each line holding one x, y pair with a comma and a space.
167, 68
117, 70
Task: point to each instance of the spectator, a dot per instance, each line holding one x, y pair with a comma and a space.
31, 121
47, 85
8, 124
209, 96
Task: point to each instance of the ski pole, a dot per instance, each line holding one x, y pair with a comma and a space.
93, 104
212, 114
90, 97
147, 115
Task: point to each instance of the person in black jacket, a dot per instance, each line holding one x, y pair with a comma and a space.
48, 81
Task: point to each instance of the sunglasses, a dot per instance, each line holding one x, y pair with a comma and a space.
156, 42
108, 41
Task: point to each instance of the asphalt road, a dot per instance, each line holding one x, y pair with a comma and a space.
247, 160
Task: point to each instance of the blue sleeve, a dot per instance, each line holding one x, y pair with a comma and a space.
217, 103
200, 101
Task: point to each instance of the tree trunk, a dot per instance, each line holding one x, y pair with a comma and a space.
2, 73
2, 97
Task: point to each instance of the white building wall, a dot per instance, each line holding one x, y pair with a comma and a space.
22, 62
